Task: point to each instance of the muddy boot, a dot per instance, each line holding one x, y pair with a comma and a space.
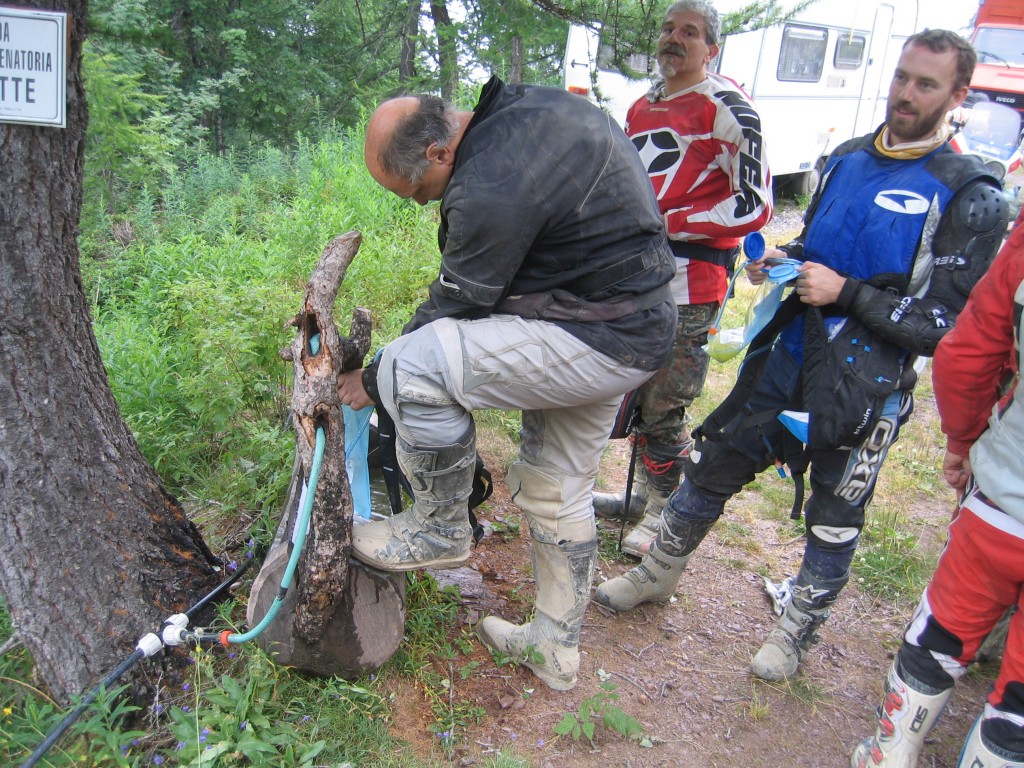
610, 505
435, 531
653, 581
905, 717
982, 752
663, 467
639, 540
796, 630
549, 645
657, 576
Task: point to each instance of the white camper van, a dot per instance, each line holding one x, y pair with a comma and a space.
590, 72
817, 80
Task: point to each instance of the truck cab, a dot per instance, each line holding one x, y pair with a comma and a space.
999, 41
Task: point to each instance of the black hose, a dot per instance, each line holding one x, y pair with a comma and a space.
123, 667
225, 585
64, 724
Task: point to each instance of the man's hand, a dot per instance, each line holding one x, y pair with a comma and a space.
818, 285
956, 469
351, 391
757, 271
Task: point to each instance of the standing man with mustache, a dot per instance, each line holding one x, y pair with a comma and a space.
900, 229
700, 140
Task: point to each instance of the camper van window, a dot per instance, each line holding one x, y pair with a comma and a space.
849, 51
638, 62
802, 57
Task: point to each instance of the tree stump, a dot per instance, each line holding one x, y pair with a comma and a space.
340, 618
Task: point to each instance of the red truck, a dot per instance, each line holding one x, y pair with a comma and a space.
999, 40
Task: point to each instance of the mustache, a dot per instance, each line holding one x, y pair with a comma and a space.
675, 50
904, 106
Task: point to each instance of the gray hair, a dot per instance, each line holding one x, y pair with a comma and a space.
404, 152
703, 8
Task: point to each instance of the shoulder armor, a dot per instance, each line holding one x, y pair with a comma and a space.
982, 206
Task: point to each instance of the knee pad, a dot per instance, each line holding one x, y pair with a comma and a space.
663, 464
558, 506
692, 503
718, 470
833, 525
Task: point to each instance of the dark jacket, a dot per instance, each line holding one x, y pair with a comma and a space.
549, 214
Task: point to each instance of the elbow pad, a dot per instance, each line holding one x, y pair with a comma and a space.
917, 325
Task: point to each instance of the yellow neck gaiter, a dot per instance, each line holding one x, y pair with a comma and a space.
911, 149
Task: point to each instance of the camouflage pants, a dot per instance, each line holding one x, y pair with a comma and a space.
664, 423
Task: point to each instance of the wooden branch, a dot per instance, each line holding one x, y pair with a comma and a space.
319, 353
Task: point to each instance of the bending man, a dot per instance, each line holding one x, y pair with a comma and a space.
552, 299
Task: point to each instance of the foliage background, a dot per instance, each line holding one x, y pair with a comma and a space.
224, 151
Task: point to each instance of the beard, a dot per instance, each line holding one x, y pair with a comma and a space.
667, 68
914, 128
665, 64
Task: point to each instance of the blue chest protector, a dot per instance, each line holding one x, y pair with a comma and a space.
870, 218
873, 212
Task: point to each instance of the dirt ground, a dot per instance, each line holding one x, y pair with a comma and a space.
682, 669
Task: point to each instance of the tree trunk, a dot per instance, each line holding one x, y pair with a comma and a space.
407, 61
447, 52
93, 551
515, 74
344, 619
315, 404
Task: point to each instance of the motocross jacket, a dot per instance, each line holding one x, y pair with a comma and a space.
550, 215
976, 375
912, 237
704, 151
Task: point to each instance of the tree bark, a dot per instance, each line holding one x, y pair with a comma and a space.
447, 51
516, 72
407, 60
315, 404
94, 553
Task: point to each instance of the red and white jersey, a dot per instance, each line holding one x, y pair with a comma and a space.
703, 150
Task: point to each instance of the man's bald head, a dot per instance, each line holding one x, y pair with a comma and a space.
400, 133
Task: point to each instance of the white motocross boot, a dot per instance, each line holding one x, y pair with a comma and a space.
549, 644
656, 578
905, 717
653, 581
639, 540
435, 532
979, 752
788, 642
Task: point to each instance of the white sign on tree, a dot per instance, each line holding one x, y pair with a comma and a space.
33, 66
